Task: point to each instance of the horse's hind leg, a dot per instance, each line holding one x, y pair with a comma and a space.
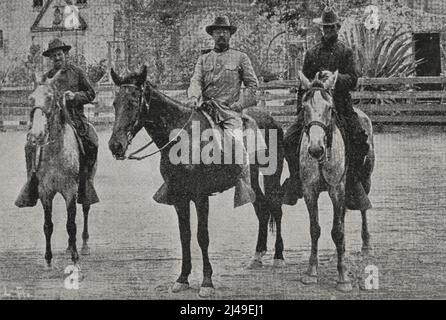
48, 228
262, 214
85, 236
183, 213
311, 198
274, 196
366, 247
337, 196
202, 205
71, 228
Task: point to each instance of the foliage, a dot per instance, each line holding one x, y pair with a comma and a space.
380, 54
288, 12
96, 71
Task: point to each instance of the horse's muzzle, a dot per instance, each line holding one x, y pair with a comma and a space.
317, 152
117, 150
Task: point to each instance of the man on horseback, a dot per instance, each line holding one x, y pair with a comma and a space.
216, 84
77, 92
331, 54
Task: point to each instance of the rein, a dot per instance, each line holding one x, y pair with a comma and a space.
136, 127
328, 128
37, 153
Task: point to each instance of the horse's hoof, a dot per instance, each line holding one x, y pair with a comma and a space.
85, 251
75, 257
48, 266
344, 286
255, 264
177, 287
306, 279
279, 263
206, 292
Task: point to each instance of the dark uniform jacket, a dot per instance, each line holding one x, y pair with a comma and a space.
74, 79
336, 56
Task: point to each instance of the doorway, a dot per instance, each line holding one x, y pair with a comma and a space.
427, 47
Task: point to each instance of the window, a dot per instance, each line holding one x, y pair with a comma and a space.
81, 1
37, 3
1, 39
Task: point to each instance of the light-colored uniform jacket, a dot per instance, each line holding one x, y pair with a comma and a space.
219, 76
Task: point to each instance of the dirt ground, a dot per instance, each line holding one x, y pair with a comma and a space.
136, 252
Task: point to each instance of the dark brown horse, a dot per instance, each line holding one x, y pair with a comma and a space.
139, 105
56, 162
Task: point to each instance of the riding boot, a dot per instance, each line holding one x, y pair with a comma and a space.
86, 191
356, 194
164, 195
243, 190
29, 193
292, 185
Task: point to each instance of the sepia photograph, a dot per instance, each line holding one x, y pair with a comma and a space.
237, 150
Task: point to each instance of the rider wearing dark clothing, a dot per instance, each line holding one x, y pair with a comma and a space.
78, 91
330, 54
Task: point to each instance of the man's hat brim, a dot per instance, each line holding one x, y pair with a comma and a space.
48, 52
211, 28
319, 22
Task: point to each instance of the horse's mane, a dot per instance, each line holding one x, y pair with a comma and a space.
133, 78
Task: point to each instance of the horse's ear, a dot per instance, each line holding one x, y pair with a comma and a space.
115, 77
143, 75
331, 82
304, 82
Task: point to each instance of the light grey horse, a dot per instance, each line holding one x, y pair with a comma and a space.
55, 162
323, 167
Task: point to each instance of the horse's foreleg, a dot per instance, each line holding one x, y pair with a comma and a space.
262, 215
337, 196
48, 228
311, 198
202, 205
72, 229
85, 236
183, 213
365, 233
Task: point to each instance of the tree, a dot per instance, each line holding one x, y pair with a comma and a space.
289, 12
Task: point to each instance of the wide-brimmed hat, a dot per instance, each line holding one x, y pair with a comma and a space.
221, 22
56, 44
328, 18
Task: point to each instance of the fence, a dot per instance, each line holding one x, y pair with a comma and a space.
407, 104
392, 100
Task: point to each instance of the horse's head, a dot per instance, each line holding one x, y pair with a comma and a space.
128, 103
45, 108
318, 106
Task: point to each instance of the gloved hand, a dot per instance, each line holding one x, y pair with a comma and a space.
192, 103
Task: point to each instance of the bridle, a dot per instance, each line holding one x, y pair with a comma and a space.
37, 154
327, 127
58, 109
141, 105
144, 106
